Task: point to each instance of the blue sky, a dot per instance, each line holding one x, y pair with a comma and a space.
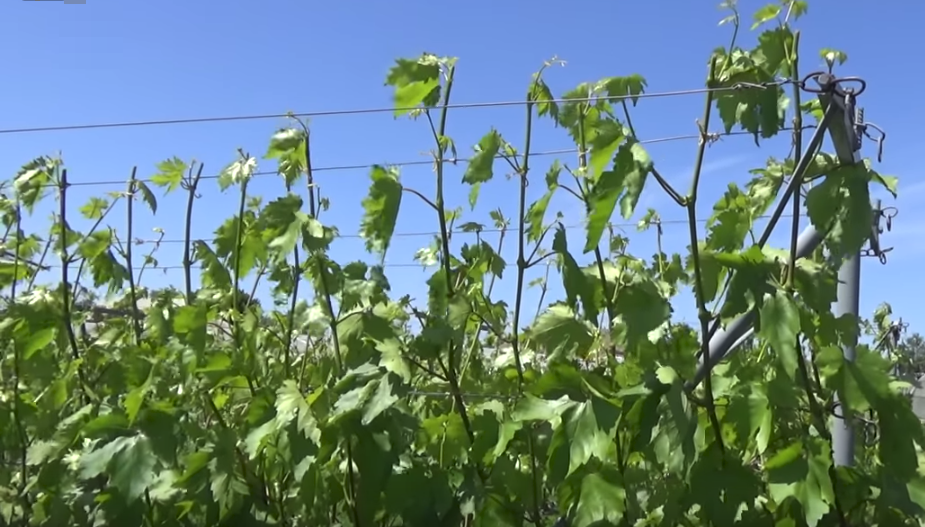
110, 61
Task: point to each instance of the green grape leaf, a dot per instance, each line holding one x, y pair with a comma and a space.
607, 139
288, 146
801, 471
576, 439
628, 176
380, 209
632, 85
94, 208
536, 213
642, 309
170, 173
543, 97
132, 467
602, 498
560, 333
574, 279
779, 326
291, 406
479, 169
416, 82
191, 321
840, 204
861, 384
147, 196
33, 180
282, 221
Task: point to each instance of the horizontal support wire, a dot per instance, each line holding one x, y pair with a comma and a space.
419, 234
711, 137
362, 111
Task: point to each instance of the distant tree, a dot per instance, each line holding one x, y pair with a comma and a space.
911, 351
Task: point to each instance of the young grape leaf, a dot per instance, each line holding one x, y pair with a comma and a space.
536, 212
170, 173
33, 180
479, 169
575, 440
94, 208
416, 82
147, 196
288, 147
380, 209
632, 85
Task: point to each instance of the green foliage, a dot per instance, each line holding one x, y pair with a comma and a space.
344, 405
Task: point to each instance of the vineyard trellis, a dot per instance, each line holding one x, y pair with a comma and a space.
191, 406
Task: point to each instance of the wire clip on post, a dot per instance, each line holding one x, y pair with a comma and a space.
847, 128
875, 249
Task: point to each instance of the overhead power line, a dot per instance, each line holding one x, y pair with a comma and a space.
361, 111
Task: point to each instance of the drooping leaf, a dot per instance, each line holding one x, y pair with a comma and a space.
576, 283
627, 178
380, 209
479, 169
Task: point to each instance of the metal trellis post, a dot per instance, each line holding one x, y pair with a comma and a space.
846, 139
842, 121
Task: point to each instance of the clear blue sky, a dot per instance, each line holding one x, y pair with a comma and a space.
110, 61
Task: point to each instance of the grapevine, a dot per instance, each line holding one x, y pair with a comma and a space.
341, 404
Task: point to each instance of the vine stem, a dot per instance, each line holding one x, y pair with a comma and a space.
586, 197
133, 293
157, 245
518, 298
439, 137
814, 405
609, 297
467, 360
17, 366
191, 186
335, 340
236, 265
65, 285
702, 313
290, 319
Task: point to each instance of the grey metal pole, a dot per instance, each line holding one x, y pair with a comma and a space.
847, 143
849, 282
728, 339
